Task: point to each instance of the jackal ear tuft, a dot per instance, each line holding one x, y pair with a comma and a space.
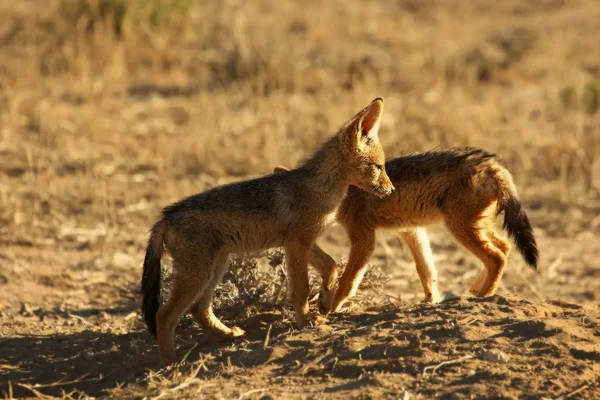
370, 119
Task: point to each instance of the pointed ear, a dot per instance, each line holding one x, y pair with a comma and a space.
370, 119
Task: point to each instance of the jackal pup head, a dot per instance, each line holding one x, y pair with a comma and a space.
363, 152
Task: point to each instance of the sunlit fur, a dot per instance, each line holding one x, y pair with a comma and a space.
462, 187
288, 209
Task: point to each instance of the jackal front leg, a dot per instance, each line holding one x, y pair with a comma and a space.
297, 254
362, 246
328, 269
418, 243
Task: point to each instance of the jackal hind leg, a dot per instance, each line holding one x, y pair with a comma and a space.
202, 310
503, 246
475, 239
189, 281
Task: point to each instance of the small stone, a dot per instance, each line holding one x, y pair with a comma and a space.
25, 310
471, 372
495, 356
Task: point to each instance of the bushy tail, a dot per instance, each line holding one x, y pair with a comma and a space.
152, 276
516, 222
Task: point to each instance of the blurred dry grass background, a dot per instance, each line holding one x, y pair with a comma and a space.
108, 104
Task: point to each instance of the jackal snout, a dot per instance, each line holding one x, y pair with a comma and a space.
376, 181
372, 177
384, 186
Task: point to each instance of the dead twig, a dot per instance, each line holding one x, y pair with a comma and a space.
248, 393
266, 343
62, 382
389, 296
434, 368
201, 388
81, 319
281, 285
187, 354
574, 392
312, 365
37, 393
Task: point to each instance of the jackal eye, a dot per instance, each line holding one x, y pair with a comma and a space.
378, 166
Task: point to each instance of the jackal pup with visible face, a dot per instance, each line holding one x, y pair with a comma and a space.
289, 209
462, 187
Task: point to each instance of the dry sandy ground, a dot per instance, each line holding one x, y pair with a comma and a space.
101, 125
77, 330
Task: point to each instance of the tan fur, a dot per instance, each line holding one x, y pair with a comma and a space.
462, 187
289, 209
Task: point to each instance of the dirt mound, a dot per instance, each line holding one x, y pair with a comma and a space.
500, 347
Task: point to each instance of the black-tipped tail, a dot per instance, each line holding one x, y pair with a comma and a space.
151, 278
517, 224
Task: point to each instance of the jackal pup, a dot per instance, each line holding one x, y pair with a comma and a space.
462, 187
289, 209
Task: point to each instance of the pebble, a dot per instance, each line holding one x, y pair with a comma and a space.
26, 310
495, 356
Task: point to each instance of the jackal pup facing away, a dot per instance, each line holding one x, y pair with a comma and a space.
288, 209
464, 188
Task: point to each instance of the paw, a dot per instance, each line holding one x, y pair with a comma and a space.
300, 323
230, 334
236, 331
167, 358
303, 320
433, 297
325, 300
336, 308
477, 285
437, 298
476, 289
485, 292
